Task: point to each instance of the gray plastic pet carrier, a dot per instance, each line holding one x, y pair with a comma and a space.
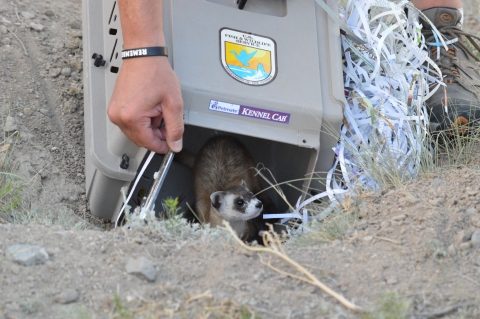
270, 74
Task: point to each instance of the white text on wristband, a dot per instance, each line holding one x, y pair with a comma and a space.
143, 52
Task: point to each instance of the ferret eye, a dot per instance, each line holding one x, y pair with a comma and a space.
240, 202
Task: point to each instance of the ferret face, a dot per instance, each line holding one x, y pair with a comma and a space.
236, 203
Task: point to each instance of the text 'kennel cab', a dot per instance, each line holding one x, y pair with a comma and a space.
269, 74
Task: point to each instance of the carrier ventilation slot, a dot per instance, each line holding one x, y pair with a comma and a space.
111, 14
113, 51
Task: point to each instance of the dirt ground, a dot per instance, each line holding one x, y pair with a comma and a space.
409, 252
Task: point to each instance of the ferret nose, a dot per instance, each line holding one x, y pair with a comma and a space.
259, 205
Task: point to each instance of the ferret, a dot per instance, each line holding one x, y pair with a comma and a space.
225, 184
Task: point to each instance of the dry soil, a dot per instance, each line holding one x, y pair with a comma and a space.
412, 250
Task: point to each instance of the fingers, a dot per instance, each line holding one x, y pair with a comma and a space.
158, 146
147, 91
174, 126
144, 135
157, 122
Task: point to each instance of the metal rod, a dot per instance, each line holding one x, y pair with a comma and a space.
157, 184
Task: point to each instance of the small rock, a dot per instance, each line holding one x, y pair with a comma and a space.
436, 182
472, 193
54, 72
452, 251
400, 217
46, 113
73, 43
368, 238
472, 211
54, 148
37, 26
435, 202
28, 255
49, 13
5, 21
465, 246
142, 267
66, 72
75, 76
77, 66
6, 41
27, 111
392, 281
10, 125
44, 173
463, 236
75, 24
27, 15
67, 296
70, 106
3, 29
476, 221
476, 239
56, 43
385, 224
76, 33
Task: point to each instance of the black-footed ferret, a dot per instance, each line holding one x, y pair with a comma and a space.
225, 184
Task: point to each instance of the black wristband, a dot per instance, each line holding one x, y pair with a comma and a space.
141, 52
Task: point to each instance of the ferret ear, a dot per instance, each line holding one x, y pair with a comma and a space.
243, 184
215, 199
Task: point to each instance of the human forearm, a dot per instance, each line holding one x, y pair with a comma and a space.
147, 91
141, 23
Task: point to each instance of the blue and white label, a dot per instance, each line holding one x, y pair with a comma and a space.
224, 107
249, 111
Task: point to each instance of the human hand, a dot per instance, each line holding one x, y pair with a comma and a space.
146, 92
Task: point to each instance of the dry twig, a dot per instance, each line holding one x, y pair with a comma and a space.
16, 13
274, 247
388, 239
24, 49
206, 294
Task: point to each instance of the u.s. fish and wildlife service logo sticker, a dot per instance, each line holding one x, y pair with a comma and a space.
248, 58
